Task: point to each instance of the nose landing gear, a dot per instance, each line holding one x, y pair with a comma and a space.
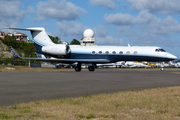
162, 69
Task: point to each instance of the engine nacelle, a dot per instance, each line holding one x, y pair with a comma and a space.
58, 49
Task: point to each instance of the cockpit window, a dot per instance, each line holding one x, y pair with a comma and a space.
160, 50
157, 50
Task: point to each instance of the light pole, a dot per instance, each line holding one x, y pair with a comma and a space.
29, 59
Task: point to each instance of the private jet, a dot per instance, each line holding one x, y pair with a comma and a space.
132, 64
91, 55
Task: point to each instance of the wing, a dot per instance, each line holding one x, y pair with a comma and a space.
60, 60
69, 60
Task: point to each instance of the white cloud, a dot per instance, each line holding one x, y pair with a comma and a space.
156, 33
70, 29
147, 37
110, 4
59, 10
159, 6
165, 27
10, 9
102, 37
10, 13
145, 28
126, 19
110, 40
100, 31
31, 10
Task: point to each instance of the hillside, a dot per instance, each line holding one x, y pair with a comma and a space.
4, 53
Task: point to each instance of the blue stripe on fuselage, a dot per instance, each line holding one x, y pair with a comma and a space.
110, 57
115, 58
76, 54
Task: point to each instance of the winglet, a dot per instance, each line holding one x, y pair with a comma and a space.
14, 52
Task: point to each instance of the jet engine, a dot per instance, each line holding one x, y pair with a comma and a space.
58, 49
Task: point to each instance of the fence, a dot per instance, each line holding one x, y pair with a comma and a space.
17, 62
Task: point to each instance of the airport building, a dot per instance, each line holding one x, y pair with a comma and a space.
88, 39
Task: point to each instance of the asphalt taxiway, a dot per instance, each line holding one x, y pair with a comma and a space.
20, 87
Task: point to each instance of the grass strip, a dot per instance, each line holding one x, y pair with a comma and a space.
152, 104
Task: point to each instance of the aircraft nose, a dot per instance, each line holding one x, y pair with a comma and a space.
171, 56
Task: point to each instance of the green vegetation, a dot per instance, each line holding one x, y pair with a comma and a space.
56, 39
23, 48
75, 42
152, 104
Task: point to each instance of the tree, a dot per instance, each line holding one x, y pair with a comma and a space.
75, 42
22, 47
56, 39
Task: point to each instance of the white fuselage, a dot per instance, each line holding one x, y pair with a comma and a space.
122, 53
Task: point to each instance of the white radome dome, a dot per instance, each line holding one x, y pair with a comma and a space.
88, 33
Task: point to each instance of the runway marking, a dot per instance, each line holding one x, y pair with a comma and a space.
176, 72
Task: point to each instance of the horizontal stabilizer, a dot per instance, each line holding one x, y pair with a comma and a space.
14, 52
27, 29
69, 60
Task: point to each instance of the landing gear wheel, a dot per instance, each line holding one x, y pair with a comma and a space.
91, 68
77, 69
162, 69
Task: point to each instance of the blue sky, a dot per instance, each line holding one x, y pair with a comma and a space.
114, 22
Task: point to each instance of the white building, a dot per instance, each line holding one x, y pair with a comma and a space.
21, 36
88, 39
2, 34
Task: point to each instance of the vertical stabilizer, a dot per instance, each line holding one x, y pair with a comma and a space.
40, 36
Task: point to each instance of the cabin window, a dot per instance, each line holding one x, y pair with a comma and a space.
121, 52
107, 52
100, 52
127, 52
135, 52
93, 52
114, 52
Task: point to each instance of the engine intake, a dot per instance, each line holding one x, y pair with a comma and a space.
58, 49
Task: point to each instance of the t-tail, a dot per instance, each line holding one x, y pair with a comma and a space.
39, 36
44, 44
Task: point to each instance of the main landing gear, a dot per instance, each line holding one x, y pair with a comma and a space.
90, 68
78, 67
